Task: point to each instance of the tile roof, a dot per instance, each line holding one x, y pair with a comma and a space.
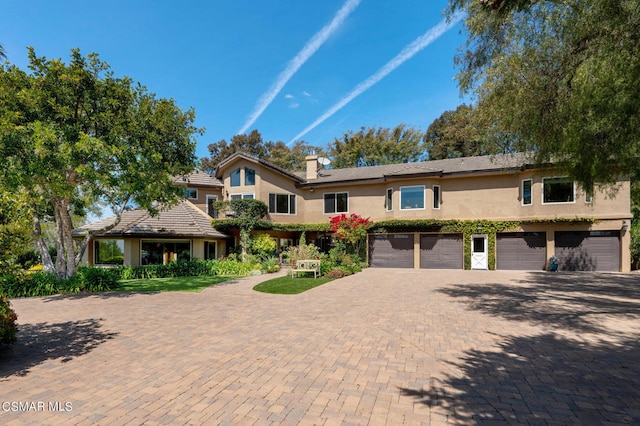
450, 166
182, 220
199, 178
256, 160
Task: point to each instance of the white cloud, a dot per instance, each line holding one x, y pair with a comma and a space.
307, 94
294, 105
407, 53
289, 96
294, 65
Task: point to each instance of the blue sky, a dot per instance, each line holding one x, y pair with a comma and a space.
293, 69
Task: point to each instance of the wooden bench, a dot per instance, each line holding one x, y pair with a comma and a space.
306, 266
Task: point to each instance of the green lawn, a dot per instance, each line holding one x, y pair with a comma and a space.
172, 284
288, 285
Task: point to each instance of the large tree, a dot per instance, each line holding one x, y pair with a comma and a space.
72, 134
561, 76
460, 133
377, 146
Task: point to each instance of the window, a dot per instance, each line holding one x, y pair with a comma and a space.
249, 177
588, 198
411, 197
235, 177
526, 192
240, 196
211, 209
557, 190
282, 203
163, 252
210, 249
389, 199
109, 252
191, 194
436, 196
337, 202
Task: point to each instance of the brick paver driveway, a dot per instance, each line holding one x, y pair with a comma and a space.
381, 347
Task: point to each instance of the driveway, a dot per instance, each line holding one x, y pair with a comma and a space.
384, 346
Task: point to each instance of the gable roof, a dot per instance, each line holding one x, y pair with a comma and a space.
451, 166
182, 220
199, 178
243, 155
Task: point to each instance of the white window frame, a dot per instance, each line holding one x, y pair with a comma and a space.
215, 245
388, 205
207, 198
295, 203
187, 193
573, 186
424, 198
522, 203
336, 202
243, 195
588, 199
437, 197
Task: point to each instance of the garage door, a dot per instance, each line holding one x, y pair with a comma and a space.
441, 251
523, 251
391, 251
588, 251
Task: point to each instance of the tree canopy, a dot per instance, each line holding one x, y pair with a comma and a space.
72, 134
277, 153
562, 77
377, 146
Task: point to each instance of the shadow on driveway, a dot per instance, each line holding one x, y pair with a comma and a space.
542, 379
41, 342
575, 301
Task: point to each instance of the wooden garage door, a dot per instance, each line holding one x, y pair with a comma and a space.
524, 251
441, 251
588, 251
391, 251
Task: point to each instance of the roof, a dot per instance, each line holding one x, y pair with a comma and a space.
243, 155
450, 166
182, 220
199, 178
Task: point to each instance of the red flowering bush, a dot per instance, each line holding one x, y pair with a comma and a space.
8, 327
350, 229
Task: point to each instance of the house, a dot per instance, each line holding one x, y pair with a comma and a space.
476, 213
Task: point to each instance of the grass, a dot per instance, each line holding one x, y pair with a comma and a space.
172, 284
288, 285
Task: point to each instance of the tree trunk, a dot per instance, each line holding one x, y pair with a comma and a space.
66, 263
41, 245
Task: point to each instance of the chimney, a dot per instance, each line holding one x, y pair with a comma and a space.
312, 166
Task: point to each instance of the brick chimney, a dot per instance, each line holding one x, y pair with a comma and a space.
312, 166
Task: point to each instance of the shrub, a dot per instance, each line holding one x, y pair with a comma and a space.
263, 246
95, 279
270, 265
335, 273
8, 317
302, 252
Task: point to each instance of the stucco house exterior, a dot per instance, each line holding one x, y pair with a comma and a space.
488, 212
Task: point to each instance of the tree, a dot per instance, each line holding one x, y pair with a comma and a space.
3, 54
350, 229
562, 77
278, 153
247, 213
377, 146
75, 134
459, 133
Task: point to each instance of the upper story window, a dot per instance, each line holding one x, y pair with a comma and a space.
191, 194
558, 190
211, 209
249, 177
527, 186
337, 202
282, 203
389, 200
235, 177
412, 197
437, 197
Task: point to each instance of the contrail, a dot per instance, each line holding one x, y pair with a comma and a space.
407, 53
294, 65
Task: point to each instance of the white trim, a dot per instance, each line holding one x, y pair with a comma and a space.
386, 198
206, 206
424, 198
336, 202
530, 193
187, 195
573, 186
243, 195
433, 188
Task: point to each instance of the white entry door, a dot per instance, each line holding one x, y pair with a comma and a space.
479, 252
